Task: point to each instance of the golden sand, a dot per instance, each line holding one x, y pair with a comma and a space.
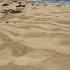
38, 38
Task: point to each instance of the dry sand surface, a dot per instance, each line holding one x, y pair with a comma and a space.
38, 38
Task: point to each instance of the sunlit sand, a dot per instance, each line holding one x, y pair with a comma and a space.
37, 38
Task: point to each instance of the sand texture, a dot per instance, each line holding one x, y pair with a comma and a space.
38, 38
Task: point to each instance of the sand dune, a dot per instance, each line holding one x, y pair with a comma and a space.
38, 38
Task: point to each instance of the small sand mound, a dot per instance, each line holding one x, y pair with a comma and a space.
5, 4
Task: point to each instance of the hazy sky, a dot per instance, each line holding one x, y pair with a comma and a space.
52, 0
48, 0
57, 0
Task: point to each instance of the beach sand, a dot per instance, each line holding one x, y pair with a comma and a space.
38, 38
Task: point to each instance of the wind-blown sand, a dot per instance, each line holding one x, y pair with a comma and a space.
36, 39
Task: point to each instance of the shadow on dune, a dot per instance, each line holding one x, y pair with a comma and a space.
59, 62
17, 48
20, 49
55, 60
5, 41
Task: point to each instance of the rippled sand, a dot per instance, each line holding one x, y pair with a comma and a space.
36, 39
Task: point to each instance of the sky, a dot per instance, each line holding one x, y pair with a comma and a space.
52, 0
58, 0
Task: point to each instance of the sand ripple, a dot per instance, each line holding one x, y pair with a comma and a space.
39, 38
